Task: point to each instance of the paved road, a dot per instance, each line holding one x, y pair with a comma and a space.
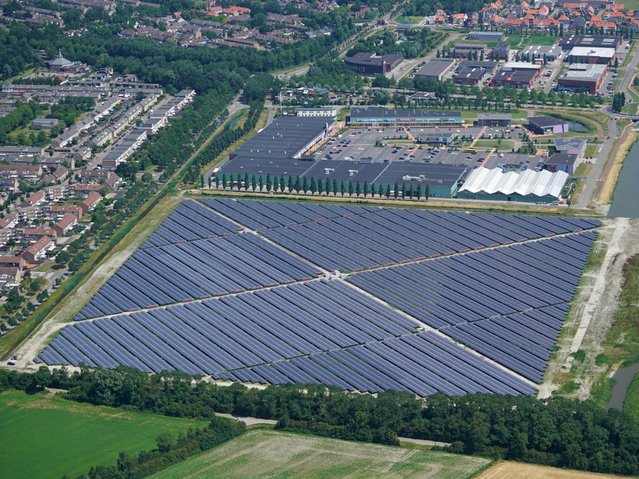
409, 65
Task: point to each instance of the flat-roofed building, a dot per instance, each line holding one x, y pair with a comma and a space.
472, 72
493, 119
590, 41
543, 52
561, 162
402, 117
372, 64
468, 50
514, 78
547, 125
582, 78
592, 55
435, 69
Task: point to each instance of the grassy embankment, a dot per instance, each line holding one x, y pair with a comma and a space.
44, 437
621, 345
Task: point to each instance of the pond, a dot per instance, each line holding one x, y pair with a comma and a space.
625, 202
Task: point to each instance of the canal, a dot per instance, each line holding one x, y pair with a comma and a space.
625, 203
622, 378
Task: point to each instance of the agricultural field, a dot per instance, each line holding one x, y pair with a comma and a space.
515, 470
68, 438
267, 454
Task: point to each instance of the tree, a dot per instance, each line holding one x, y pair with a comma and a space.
164, 442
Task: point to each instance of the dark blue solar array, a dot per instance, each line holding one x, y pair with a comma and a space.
205, 296
507, 303
315, 332
197, 269
190, 221
356, 238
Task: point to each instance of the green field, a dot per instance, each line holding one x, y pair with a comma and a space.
409, 20
502, 145
270, 454
47, 437
525, 39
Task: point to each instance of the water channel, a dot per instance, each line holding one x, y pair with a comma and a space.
625, 203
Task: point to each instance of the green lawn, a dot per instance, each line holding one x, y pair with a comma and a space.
269, 454
591, 151
631, 402
525, 39
503, 145
408, 19
629, 4
47, 437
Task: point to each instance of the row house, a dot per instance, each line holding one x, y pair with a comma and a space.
65, 225
38, 250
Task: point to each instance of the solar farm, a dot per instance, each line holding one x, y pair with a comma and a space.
363, 298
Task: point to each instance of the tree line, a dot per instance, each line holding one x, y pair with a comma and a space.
555, 431
169, 451
312, 186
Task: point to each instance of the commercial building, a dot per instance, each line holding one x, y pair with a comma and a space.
493, 119
516, 75
469, 50
372, 64
402, 117
500, 52
486, 36
592, 55
547, 125
528, 186
319, 112
574, 146
435, 69
590, 41
582, 78
286, 137
561, 162
470, 72
543, 52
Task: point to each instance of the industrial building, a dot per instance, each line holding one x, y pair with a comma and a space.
470, 72
468, 50
435, 69
592, 55
583, 78
500, 52
590, 41
575, 146
324, 112
442, 179
561, 162
544, 52
493, 119
486, 36
547, 125
516, 75
402, 117
527, 186
372, 64
286, 137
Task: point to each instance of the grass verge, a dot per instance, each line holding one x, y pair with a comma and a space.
631, 403
47, 436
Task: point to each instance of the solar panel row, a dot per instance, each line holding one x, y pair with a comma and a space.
370, 237
190, 221
484, 299
197, 269
249, 309
318, 332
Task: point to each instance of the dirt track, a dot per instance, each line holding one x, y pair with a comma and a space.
593, 308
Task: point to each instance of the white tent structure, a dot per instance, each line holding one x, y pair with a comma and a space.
527, 185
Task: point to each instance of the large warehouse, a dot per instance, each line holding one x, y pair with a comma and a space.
402, 117
442, 180
286, 137
528, 186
